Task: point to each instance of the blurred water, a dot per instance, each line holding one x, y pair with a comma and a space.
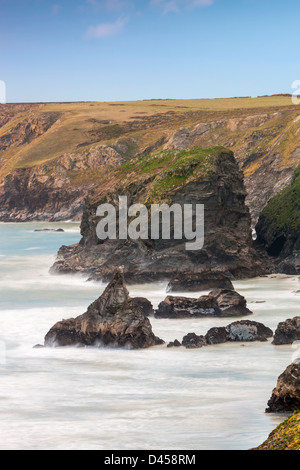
159, 398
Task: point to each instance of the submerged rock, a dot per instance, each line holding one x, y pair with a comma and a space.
193, 341
287, 332
193, 282
114, 319
286, 395
218, 303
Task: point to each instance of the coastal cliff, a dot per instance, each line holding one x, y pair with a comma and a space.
278, 228
36, 140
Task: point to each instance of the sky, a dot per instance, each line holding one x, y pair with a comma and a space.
123, 50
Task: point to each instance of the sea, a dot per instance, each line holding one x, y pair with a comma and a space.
213, 398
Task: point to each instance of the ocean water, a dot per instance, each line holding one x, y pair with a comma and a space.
88, 398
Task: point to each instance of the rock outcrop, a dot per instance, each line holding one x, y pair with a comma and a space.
194, 282
114, 320
239, 331
218, 303
286, 395
278, 228
287, 331
244, 330
209, 177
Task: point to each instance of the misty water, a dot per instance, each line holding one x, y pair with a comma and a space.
113, 399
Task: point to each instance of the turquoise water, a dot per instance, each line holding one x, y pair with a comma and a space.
159, 398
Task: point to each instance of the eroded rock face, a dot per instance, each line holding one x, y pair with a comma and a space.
193, 282
55, 191
287, 332
114, 320
286, 395
218, 303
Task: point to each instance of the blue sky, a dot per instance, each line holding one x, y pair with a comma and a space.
110, 50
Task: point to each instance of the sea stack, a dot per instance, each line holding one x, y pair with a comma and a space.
114, 320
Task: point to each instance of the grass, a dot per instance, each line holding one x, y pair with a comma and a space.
283, 210
286, 436
84, 124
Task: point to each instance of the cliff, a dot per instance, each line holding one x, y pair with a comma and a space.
262, 132
201, 176
278, 228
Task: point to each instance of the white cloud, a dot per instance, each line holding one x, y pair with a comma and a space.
104, 30
175, 6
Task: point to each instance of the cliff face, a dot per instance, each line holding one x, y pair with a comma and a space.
56, 190
210, 177
263, 133
278, 228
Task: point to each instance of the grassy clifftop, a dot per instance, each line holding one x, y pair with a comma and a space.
285, 437
156, 177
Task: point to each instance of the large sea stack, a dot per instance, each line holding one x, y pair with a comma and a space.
114, 320
200, 176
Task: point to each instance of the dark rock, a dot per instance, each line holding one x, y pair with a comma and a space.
193, 282
193, 341
286, 395
49, 230
246, 330
184, 307
287, 332
218, 303
230, 302
217, 335
112, 320
278, 228
144, 304
174, 344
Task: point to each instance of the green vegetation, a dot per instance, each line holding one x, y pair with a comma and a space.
285, 437
160, 174
283, 210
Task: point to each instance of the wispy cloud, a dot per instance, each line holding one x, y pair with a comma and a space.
111, 5
104, 30
168, 6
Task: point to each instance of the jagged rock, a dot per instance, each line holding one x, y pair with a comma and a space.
145, 305
287, 331
286, 395
193, 282
218, 303
193, 341
114, 319
230, 302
